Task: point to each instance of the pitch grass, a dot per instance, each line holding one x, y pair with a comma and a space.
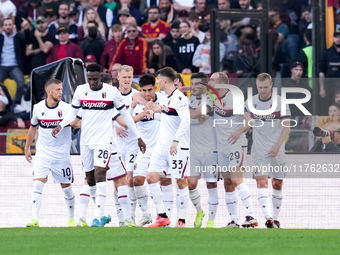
137, 241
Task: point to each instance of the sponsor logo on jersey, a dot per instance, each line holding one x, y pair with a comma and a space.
169, 111
49, 123
96, 105
274, 115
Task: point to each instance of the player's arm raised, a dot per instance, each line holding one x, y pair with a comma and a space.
275, 149
32, 131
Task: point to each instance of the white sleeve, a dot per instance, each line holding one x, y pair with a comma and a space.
129, 121
34, 120
109, 18
71, 115
196, 60
184, 114
118, 100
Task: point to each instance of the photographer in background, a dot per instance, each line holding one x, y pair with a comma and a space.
327, 140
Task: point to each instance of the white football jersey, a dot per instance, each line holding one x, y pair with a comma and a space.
149, 128
125, 143
225, 121
48, 118
97, 112
175, 121
265, 137
202, 134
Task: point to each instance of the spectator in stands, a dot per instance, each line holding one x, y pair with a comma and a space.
305, 56
65, 48
230, 42
248, 56
114, 73
64, 20
5, 115
160, 56
330, 69
8, 9
276, 25
223, 4
333, 110
89, 60
194, 21
41, 43
91, 15
50, 16
111, 47
123, 14
93, 44
132, 51
74, 14
329, 143
296, 81
202, 58
12, 50
30, 11
337, 98
174, 35
144, 7
183, 16
306, 19
199, 8
107, 78
244, 5
23, 111
126, 4
155, 28
179, 84
168, 12
185, 49
104, 13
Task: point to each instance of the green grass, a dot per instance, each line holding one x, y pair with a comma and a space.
168, 241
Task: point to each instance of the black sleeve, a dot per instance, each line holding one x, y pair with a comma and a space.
331, 147
317, 147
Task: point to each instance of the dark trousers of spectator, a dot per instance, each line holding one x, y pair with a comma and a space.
15, 73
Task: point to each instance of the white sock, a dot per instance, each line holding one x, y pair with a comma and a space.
142, 198
100, 199
277, 202
245, 196
36, 198
118, 207
157, 197
213, 203
93, 190
84, 199
168, 199
124, 201
264, 202
133, 201
231, 201
183, 199
69, 200
195, 198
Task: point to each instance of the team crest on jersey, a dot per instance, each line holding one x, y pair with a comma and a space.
169, 102
60, 114
199, 103
104, 94
224, 104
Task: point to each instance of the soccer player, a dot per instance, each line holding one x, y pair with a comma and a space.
126, 139
268, 149
172, 148
97, 101
230, 142
148, 124
52, 155
203, 158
